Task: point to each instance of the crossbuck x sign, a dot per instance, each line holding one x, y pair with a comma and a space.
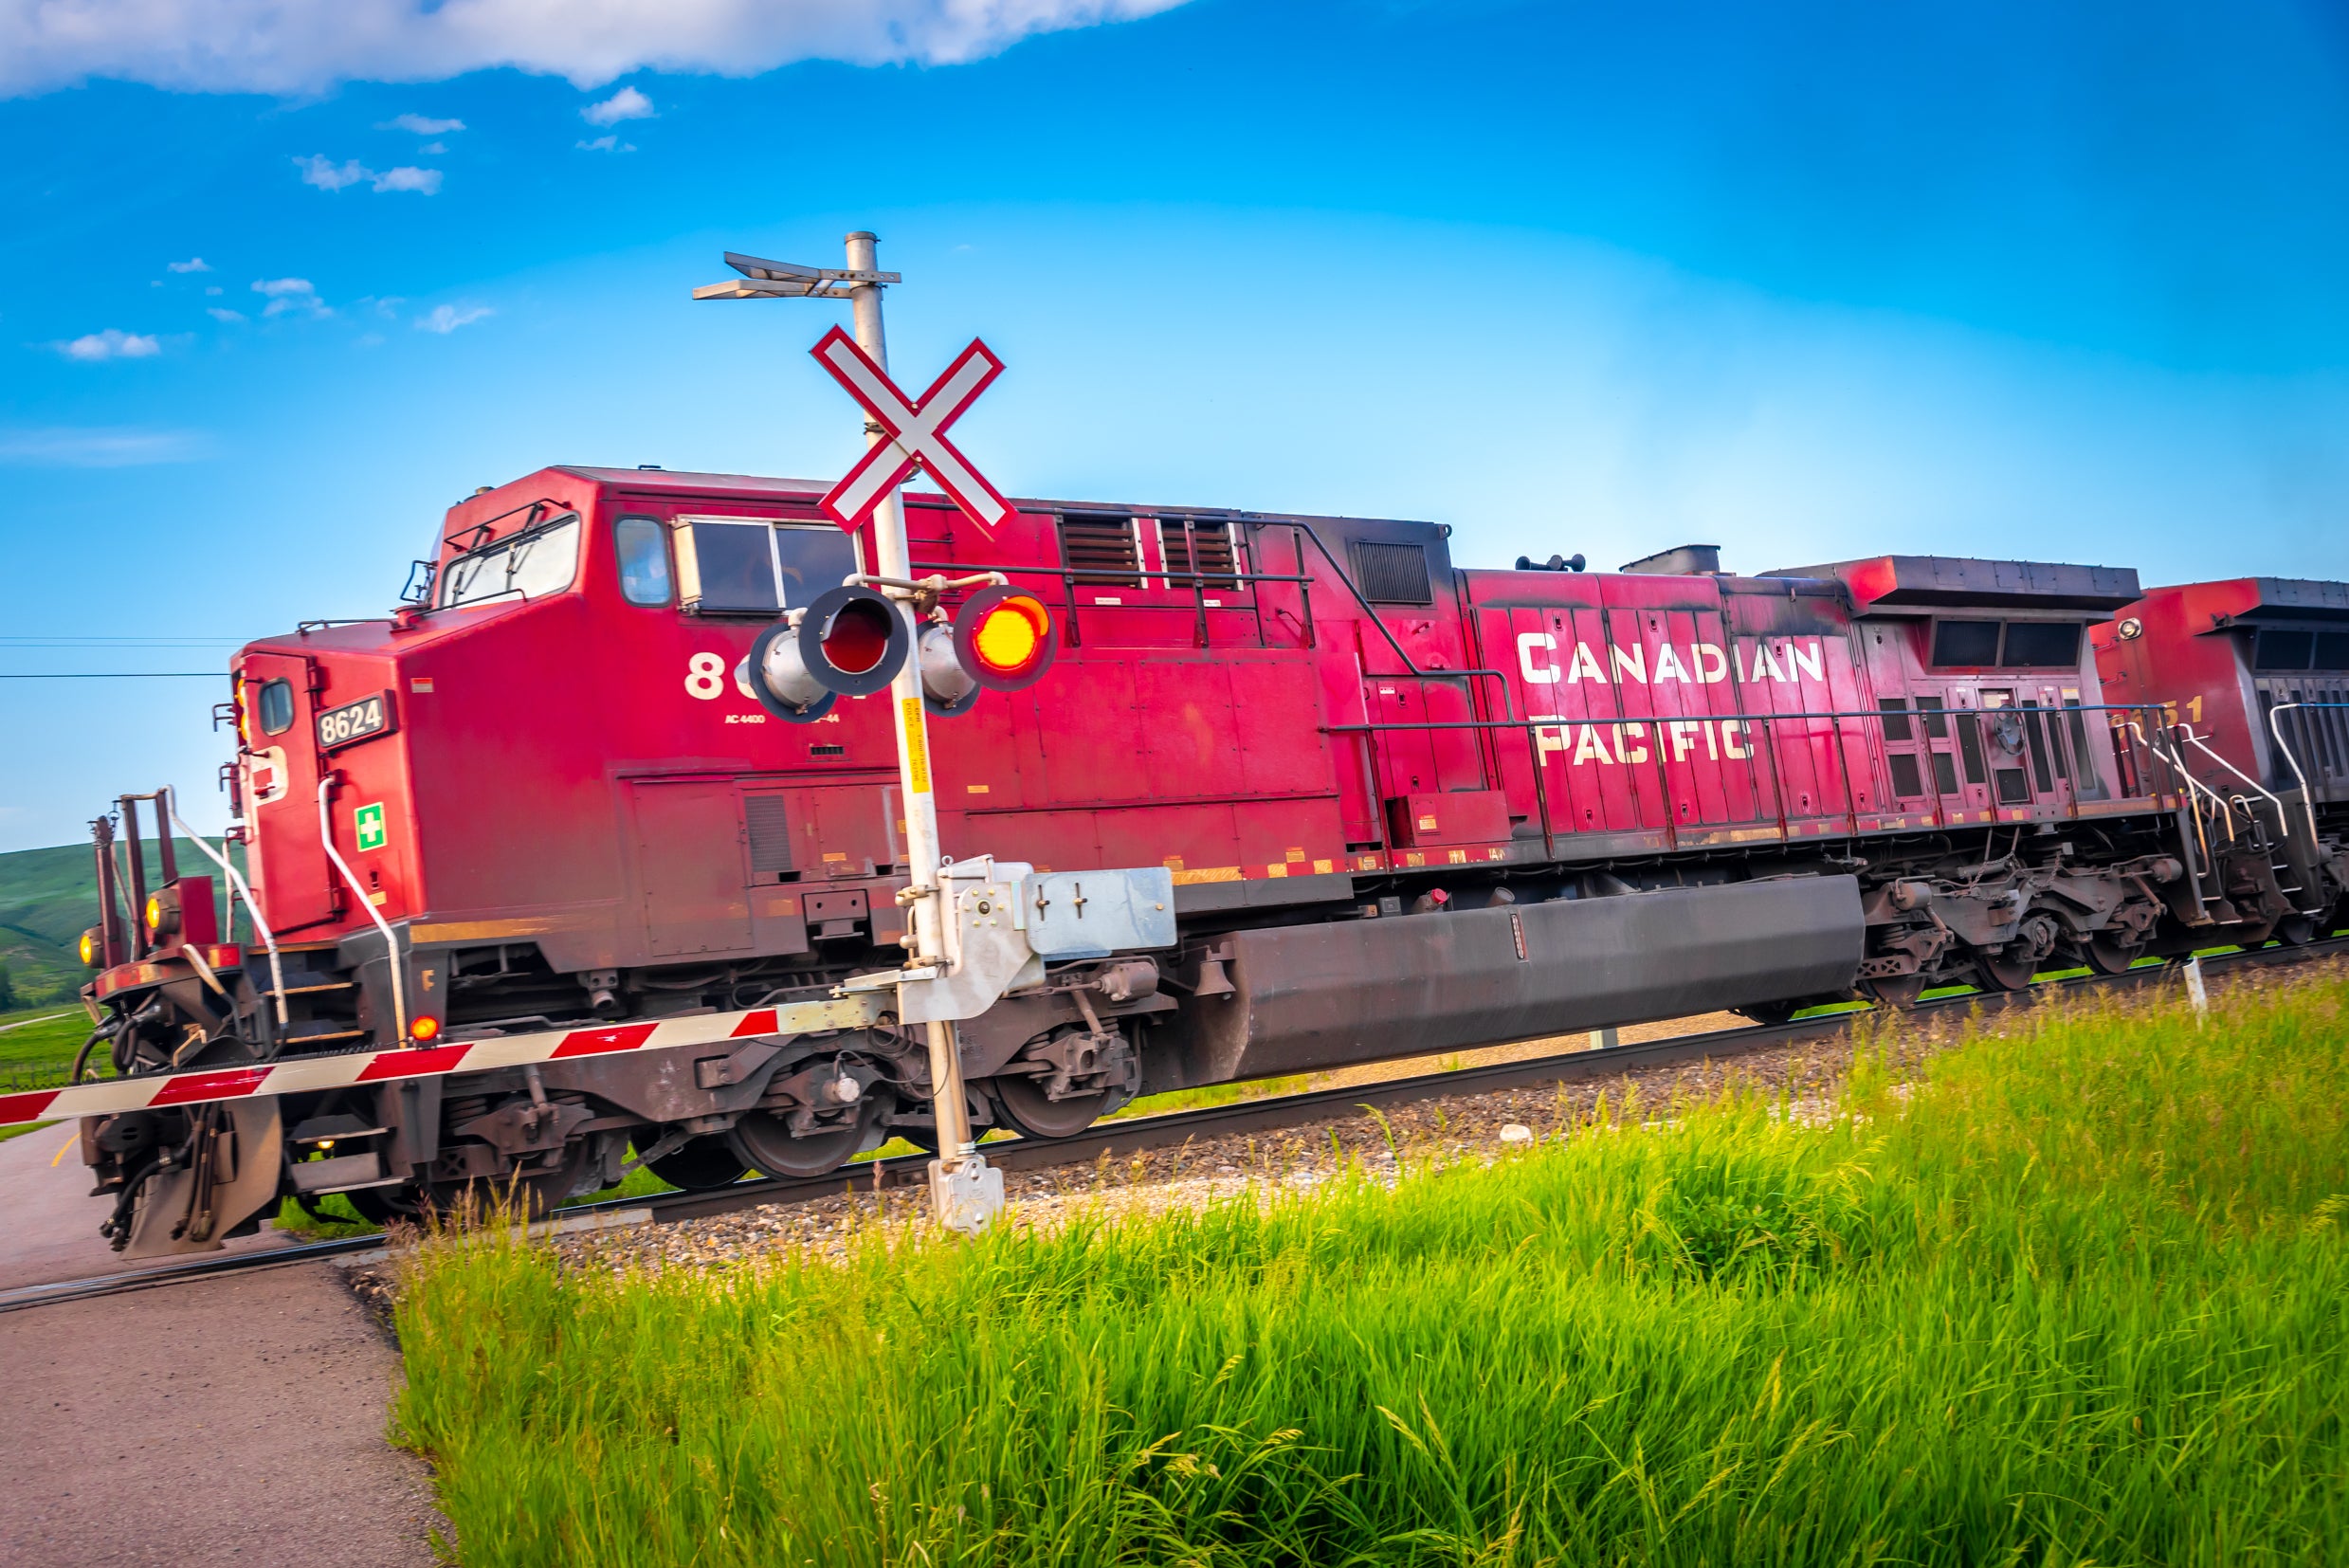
916, 432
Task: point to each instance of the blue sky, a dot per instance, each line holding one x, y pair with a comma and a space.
1807, 281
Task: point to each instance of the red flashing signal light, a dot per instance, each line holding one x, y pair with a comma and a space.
1011, 639
425, 1030
1005, 637
1002, 639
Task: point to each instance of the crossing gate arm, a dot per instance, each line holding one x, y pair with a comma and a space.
312, 1074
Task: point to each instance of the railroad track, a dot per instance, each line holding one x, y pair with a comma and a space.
1269, 1114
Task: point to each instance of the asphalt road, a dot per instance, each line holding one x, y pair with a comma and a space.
48, 1221
238, 1419
233, 1420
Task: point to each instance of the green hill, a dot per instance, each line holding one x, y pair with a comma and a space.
47, 899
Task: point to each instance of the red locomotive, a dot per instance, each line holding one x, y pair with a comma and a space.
2252, 676
1407, 808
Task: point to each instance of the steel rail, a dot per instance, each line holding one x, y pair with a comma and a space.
1271, 1114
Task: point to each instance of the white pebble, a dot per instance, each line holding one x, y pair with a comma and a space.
1517, 1132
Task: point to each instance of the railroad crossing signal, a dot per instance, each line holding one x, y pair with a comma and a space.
914, 432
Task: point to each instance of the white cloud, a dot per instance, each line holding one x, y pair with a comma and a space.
606, 144
217, 314
112, 343
406, 177
319, 171
290, 295
194, 263
301, 46
99, 447
323, 172
447, 319
421, 125
433, 149
628, 103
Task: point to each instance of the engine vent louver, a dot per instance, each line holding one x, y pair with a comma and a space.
769, 827
1205, 548
1104, 549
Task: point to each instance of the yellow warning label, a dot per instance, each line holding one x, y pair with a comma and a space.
916, 746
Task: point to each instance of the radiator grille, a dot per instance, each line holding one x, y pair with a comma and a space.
1392, 573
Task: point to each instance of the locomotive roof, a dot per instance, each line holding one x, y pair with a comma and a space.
685, 482
2247, 600
1929, 582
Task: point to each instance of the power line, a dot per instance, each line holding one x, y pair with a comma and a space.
127, 675
123, 641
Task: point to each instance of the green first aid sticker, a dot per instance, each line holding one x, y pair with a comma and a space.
369, 821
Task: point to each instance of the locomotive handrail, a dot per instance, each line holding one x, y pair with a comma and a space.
1097, 571
2307, 796
2195, 741
1412, 669
1071, 577
237, 885
390, 942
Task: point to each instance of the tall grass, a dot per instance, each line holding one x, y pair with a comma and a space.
2077, 1298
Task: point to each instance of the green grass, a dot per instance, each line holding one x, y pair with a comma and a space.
50, 896
2080, 1298
1211, 1094
48, 1047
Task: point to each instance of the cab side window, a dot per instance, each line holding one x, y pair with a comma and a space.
277, 707
644, 560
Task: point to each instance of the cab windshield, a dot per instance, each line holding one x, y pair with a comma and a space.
531, 565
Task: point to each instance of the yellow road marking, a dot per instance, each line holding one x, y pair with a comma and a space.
59, 1154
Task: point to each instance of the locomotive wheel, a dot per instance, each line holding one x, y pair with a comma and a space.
765, 1143
1894, 991
2107, 957
2294, 930
1024, 1104
1994, 972
703, 1165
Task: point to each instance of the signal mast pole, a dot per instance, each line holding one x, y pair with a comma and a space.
963, 1198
